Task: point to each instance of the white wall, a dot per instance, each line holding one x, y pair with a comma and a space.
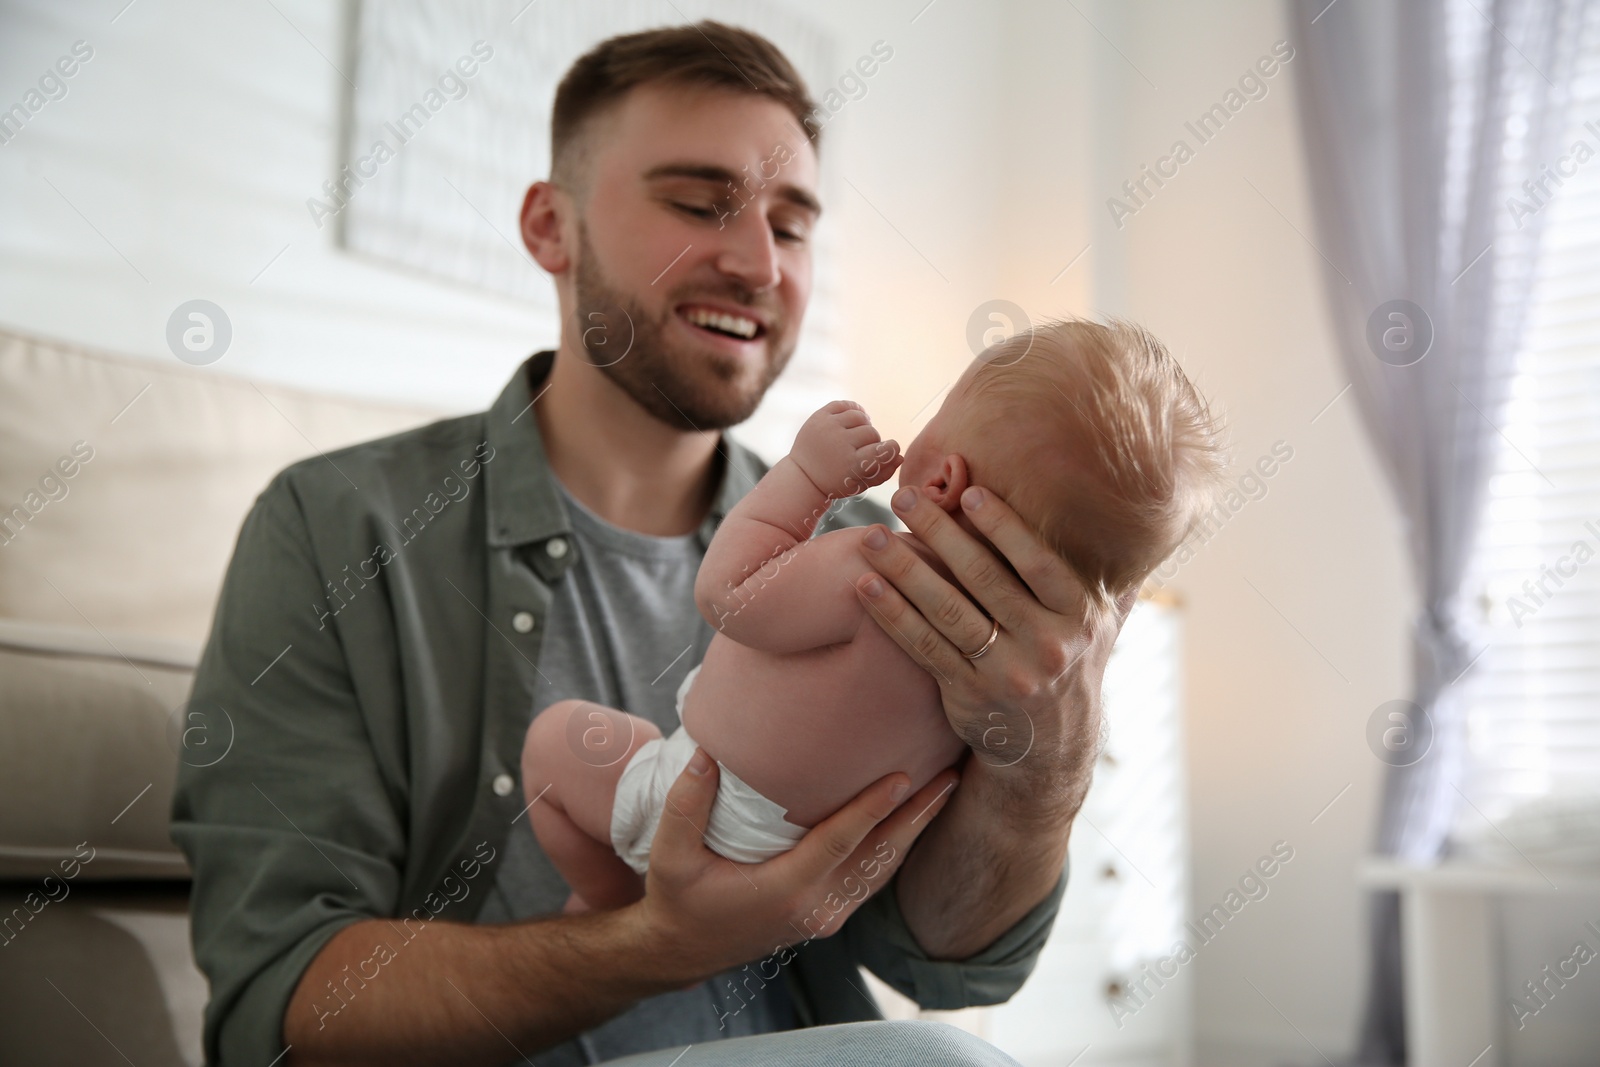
178, 166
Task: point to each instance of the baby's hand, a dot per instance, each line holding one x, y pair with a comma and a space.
840, 451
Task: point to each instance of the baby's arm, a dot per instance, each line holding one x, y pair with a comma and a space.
764, 581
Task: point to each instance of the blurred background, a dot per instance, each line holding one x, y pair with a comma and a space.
1377, 670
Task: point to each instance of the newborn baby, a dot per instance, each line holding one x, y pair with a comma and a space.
1091, 433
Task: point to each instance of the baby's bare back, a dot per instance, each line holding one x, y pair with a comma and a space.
812, 729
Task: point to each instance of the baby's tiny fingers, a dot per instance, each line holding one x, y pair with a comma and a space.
880, 455
861, 436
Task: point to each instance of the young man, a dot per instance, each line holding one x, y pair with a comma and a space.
367, 887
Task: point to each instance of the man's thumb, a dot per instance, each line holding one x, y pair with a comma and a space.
689, 802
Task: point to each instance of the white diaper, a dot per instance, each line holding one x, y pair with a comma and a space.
745, 826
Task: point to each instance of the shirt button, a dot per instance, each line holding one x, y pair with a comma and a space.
522, 621
502, 785
556, 547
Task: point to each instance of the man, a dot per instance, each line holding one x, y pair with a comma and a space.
367, 886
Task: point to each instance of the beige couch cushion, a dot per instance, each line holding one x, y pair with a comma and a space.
122, 487
117, 954
91, 729
123, 482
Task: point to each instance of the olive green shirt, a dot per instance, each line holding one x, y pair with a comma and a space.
372, 661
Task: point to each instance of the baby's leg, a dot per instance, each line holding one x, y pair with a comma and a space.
572, 757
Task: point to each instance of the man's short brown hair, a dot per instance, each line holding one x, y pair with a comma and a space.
706, 54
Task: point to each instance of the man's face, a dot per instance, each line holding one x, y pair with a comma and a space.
694, 242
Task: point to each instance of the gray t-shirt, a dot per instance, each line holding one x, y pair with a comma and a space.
624, 631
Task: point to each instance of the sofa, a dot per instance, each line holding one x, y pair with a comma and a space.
123, 483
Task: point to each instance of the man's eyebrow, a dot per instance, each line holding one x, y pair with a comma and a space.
723, 176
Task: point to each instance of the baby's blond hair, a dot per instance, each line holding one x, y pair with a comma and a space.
1118, 456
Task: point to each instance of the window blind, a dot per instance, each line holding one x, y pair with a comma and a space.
1533, 697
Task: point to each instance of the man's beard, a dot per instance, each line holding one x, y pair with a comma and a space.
684, 388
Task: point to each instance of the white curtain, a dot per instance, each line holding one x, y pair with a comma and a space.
1421, 120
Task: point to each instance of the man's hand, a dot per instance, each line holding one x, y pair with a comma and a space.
840, 451
1031, 703
710, 913
1029, 707
511, 987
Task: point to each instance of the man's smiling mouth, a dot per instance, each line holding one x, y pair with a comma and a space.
724, 323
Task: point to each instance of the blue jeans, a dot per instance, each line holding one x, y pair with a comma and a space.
914, 1043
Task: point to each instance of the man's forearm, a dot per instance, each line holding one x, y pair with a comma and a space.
462, 994
989, 857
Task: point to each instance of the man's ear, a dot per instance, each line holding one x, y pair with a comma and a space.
542, 230
948, 483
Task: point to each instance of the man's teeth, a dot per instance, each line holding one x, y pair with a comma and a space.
737, 325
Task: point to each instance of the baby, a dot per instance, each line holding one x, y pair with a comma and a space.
1090, 432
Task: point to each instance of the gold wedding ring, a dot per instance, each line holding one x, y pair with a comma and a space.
994, 632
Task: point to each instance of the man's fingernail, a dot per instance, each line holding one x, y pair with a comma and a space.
898, 791
874, 587
904, 499
699, 763
972, 499
876, 538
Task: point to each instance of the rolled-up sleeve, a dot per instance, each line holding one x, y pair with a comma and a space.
879, 939
289, 824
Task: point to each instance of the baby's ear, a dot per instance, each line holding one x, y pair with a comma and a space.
947, 485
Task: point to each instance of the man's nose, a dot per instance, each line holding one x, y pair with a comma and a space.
749, 252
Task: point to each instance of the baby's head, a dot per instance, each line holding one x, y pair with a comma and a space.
1091, 433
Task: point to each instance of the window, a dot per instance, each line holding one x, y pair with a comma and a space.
1533, 699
